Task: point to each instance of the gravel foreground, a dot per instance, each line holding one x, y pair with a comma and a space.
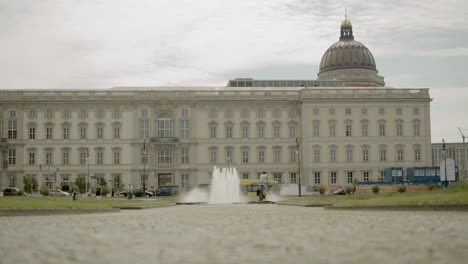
241, 233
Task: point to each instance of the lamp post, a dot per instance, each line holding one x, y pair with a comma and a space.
87, 173
444, 153
144, 153
298, 168
464, 156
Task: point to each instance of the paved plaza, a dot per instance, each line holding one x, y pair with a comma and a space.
241, 233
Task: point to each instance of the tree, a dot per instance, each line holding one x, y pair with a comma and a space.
27, 182
81, 183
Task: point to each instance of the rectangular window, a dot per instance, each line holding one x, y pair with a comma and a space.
331, 111
383, 154
333, 177
349, 155
364, 111
144, 128
317, 177
83, 113
12, 129
228, 113
213, 156
276, 155
348, 111
49, 113
365, 176
399, 130
350, 177
277, 177
316, 155
417, 154
292, 131
382, 130
229, 155
332, 129
229, 132
164, 127
292, 113
100, 157
32, 158
293, 177
100, 133
66, 113
49, 133
416, 129
315, 111
260, 131
261, 156
212, 132
32, 114
32, 133
245, 156
245, 131
316, 130
66, 158
184, 113
48, 157
116, 157
185, 182
212, 113
292, 155
381, 111
276, 113
348, 130
116, 113
365, 154
165, 156
333, 155
144, 113
184, 128
100, 113
116, 133
400, 155
184, 155
364, 130
244, 113
245, 175
83, 157
276, 131
83, 132
66, 133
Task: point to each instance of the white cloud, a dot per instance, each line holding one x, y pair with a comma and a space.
452, 52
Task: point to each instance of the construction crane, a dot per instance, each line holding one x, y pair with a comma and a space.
464, 155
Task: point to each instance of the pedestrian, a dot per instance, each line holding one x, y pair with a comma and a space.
75, 191
98, 192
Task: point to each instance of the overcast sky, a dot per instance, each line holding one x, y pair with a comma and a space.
100, 44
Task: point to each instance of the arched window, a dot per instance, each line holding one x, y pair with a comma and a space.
165, 125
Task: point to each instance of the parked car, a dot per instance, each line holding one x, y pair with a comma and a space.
10, 191
340, 191
167, 190
59, 193
137, 193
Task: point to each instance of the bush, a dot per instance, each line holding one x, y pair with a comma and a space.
44, 190
349, 189
321, 189
175, 191
401, 189
431, 187
20, 193
27, 182
375, 189
104, 190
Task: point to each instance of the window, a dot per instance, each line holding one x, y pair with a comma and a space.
184, 113
348, 130
49, 133
317, 155
365, 176
293, 177
83, 113
382, 130
164, 125
48, 157
417, 154
261, 156
364, 129
49, 113
213, 131
333, 155
365, 154
348, 111
331, 111
292, 155
12, 113
100, 114
399, 111
116, 156
66, 158
277, 155
100, 157
66, 133
229, 154
184, 155
185, 181
83, 157
316, 129
381, 111
277, 177
12, 129
244, 113
66, 114
260, 113
276, 113
276, 131
316, 111
228, 113
116, 113
245, 175
350, 177
100, 132
415, 111
383, 154
144, 128
144, 113
333, 177
83, 132
11, 181
32, 114
364, 111
349, 155
32, 158
32, 133
292, 113
165, 156
65, 183
317, 177
400, 155
292, 131
213, 156
228, 131
212, 113
184, 128
261, 131
399, 129
116, 181
416, 128
245, 156
116, 132
245, 131
332, 129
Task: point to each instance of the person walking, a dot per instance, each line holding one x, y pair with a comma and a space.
75, 191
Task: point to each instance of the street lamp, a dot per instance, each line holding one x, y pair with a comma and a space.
463, 157
298, 168
144, 153
444, 153
87, 173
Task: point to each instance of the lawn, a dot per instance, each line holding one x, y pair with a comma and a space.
45, 202
452, 195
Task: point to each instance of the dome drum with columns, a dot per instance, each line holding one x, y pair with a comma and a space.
350, 61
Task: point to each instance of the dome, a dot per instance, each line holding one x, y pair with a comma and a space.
346, 54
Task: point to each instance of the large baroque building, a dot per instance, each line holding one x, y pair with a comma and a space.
343, 127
